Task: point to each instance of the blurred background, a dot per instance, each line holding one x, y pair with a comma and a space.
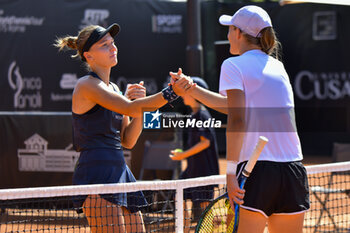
157, 36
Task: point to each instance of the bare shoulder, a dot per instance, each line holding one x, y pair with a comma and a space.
81, 101
88, 83
88, 80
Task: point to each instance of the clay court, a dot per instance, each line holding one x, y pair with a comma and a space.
331, 216
158, 36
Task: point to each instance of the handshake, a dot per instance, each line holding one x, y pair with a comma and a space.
181, 84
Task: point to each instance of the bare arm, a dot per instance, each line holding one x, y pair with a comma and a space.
203, 144
209, 98
98, 92
234, 139
131, 129
131, 132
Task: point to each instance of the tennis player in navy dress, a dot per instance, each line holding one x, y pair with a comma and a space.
101, 128
96, 134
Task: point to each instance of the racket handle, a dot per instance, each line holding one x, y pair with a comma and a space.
257, 151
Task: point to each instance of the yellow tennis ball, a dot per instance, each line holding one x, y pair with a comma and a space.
178, 150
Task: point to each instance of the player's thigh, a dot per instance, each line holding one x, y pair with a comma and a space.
286, 223
251, 221
103, 216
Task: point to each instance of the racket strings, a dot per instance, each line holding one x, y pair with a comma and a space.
219, 218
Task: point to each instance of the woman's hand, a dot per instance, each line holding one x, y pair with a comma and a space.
135, 91
176, 155
235, 194
181, 83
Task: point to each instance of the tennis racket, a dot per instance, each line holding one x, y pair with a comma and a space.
219, 216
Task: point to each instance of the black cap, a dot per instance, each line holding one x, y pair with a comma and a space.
200, 82
97, 34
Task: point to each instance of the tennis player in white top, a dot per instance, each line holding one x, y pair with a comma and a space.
256, 95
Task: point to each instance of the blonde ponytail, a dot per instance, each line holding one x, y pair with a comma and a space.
75, 42
68, 41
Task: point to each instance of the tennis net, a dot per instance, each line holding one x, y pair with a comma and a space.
60, 209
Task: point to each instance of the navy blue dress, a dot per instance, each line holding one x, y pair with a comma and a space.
96, 135
205, 163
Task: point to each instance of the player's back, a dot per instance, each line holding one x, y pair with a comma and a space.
266, 83
269, 106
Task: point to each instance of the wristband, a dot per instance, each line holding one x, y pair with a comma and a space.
231, 167
169, 94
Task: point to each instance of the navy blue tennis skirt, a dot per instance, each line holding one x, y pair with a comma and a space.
104, 166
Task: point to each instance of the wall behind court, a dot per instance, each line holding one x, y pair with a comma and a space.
35, 147
315, 47
34, 76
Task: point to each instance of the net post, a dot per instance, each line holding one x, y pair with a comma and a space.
179, 213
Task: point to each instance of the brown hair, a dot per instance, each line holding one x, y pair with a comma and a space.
75, 42
267, 41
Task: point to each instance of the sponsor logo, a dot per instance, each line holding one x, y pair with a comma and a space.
37, 157
67, 82
96, 17
157, 120
27, 89
167, 24
322, 85
12, 23
324, 25
61, 97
